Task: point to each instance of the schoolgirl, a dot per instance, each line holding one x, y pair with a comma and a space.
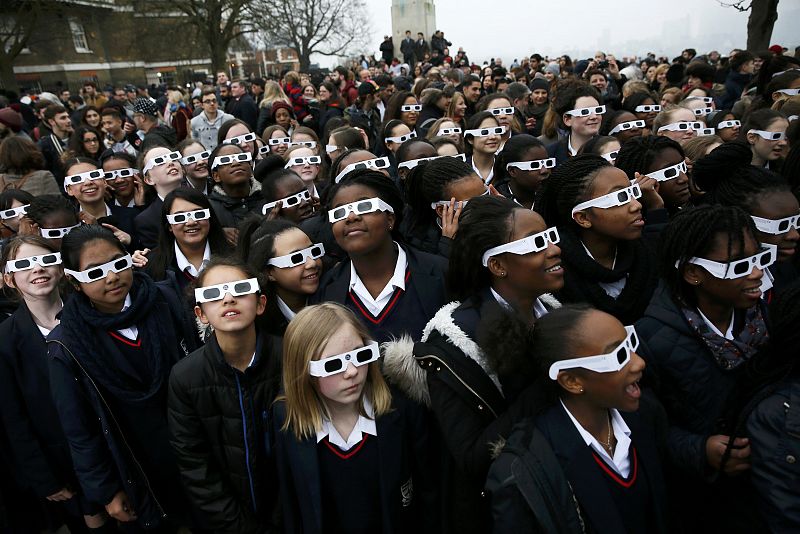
504, 261
109, 361
342, 139
578, 105
436, 193
499, 105
50, 216
447, 128
393, 134
236, 193
403, 105
623, 125
599, 219
725, 123
447, 147
352, 455
482, 140
602, 145
194, 158
304, 136
457, 110
765, 132
123, 180
219, 397
305, 162
645, 107
32, 267
287, 196
589, 462
727, 178
661, 159
705, 322
677, 123
13, 206
238, 132
391, 287
520, 168
161, 169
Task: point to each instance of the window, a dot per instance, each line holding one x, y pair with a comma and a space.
78, 36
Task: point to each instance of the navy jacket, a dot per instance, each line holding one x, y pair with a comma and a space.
147, 224
559, 150
406, 461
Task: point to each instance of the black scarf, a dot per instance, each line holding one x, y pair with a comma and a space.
582, 276
730, 354
85, 331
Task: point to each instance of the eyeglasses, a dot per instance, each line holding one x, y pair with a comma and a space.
23, 264
412, 163
317, 250
121, 173
526, 245
186, 216
789, 92
56, 233
377, 163
210, 101
307, 144
630, 125
231, 158
235, 289
279, 141
401, 138
783, 72
288, 202
651, 108
769, 136
307, 160
613, 361
739, 268
681, 126
458, 203
75, 179
101, 271
705, 131
706, 99
777, 226
263, 150
370, 205
501, 111
611, 200
161, 160
14, 212
241, 139
533, 165
610, 157
486, 132
585, 112
411, 107
329, 149
336, 364
448, 131
729, 124
668, 173
702, 112
194, 158
791, 118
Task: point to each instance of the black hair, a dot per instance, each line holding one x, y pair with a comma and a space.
73, 243
715, 117
474, 123
593, 145
225, 128
690, 234
727, 177
402, 152
567, 96
636, 99
426, 183
215, 152
791, 169
485, 222
386, 129
43, 206
394, 104
70, 162
10, 195
566, 187
164, 255
638, 153
267, 166
76, 142
384, 188
764, 80
270, 183
513, 150
108, 155
225, 261
759, 119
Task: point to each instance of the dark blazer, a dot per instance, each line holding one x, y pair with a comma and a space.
405, 454
148, 223
559, 150
244, 109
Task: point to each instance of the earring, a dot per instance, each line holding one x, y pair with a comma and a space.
580, 390
503, 274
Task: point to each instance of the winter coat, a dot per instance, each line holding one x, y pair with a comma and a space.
232, 211
218, 426
243, 108
735, 84
148, 224
36, 183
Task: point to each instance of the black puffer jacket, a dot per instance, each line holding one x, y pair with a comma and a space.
218, 427
232, 211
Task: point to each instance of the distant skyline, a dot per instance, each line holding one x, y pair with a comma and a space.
580, 27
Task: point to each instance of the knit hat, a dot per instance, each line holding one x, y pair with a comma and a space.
11, 119
280, 104
145, 106
540, 83
553, 68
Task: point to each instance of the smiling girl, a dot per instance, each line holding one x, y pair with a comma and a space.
482, 140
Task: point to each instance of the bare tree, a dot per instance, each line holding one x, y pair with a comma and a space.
17, 23
326, 27
763, 14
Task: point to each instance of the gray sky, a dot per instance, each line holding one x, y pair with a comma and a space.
512, 28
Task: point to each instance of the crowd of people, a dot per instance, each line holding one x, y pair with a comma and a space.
423, 296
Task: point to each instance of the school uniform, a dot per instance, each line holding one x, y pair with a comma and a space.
381, 478
413, 295
486, 179
232, 211
561, 150
148, 223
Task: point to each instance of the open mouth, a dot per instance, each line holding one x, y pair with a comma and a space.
230, 313
40, 280
554, 269
633, 390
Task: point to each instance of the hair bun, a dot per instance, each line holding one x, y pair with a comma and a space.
722, 162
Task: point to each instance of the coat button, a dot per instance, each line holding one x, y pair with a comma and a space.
791, 459
480, 407
130, 482
438, 368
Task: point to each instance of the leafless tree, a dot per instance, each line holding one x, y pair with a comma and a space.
18, 21
763, 14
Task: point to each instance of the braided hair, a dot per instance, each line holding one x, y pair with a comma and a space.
690, 234
428, 182
638, 153
568, 185
43, 206
513, 150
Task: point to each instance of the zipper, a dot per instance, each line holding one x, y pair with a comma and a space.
246, 445
462, 382
118, 427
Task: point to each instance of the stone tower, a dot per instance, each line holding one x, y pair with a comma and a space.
414, 15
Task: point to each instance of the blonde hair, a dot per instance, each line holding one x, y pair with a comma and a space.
304, 341
451, 109
272, 92
634, 86
664, 117
674, 92
697, 147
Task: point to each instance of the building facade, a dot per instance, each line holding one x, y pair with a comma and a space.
414, 15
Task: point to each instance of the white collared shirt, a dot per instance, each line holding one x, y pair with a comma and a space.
131, 203
621, 462
538, 308
728, 334
612, 289
363, 425
398, 280
381, 107
572, 151
286, 311
185, 266
486, 180
132, 332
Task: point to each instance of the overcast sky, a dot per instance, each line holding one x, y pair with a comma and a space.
579, 27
